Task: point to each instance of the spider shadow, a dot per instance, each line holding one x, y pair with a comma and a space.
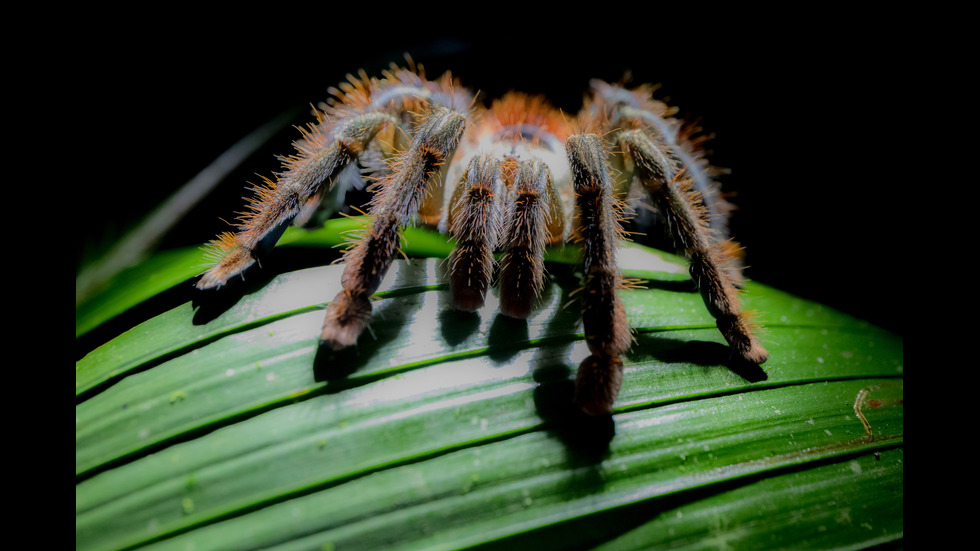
504, 332
209, 304
706, 354
455, 326
458, 326
586, 438
387, 319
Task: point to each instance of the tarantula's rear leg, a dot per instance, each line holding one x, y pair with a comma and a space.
321, 158
711, 263
367, 263
607, 331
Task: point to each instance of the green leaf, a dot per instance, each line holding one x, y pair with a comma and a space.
222, 425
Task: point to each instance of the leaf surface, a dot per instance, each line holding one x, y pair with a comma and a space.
222, 424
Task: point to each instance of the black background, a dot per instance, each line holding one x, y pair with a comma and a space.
795, 109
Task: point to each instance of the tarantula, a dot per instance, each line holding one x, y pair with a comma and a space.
521, 177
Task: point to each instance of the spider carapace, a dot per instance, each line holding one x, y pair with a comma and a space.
520, 176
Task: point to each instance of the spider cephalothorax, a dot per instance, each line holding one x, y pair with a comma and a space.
519, 176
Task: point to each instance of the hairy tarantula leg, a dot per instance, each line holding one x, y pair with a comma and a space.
277, 203
691, 234
607, 331
367, 263
528, 218
475, 226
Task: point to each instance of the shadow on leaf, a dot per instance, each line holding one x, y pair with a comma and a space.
703, 353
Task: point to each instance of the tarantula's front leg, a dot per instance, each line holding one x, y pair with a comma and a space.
367, 263
533, 220
475, 225
321, 158
607, 331
710, 262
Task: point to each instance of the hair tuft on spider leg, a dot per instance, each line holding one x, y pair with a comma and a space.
349, 314
229, 259
730, 256
741, 335
275, 204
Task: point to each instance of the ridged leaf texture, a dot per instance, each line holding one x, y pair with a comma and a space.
220, 424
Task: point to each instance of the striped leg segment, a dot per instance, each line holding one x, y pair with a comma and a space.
607, 331
712, 263
527, 233
322, 155
367, 263
475, 225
